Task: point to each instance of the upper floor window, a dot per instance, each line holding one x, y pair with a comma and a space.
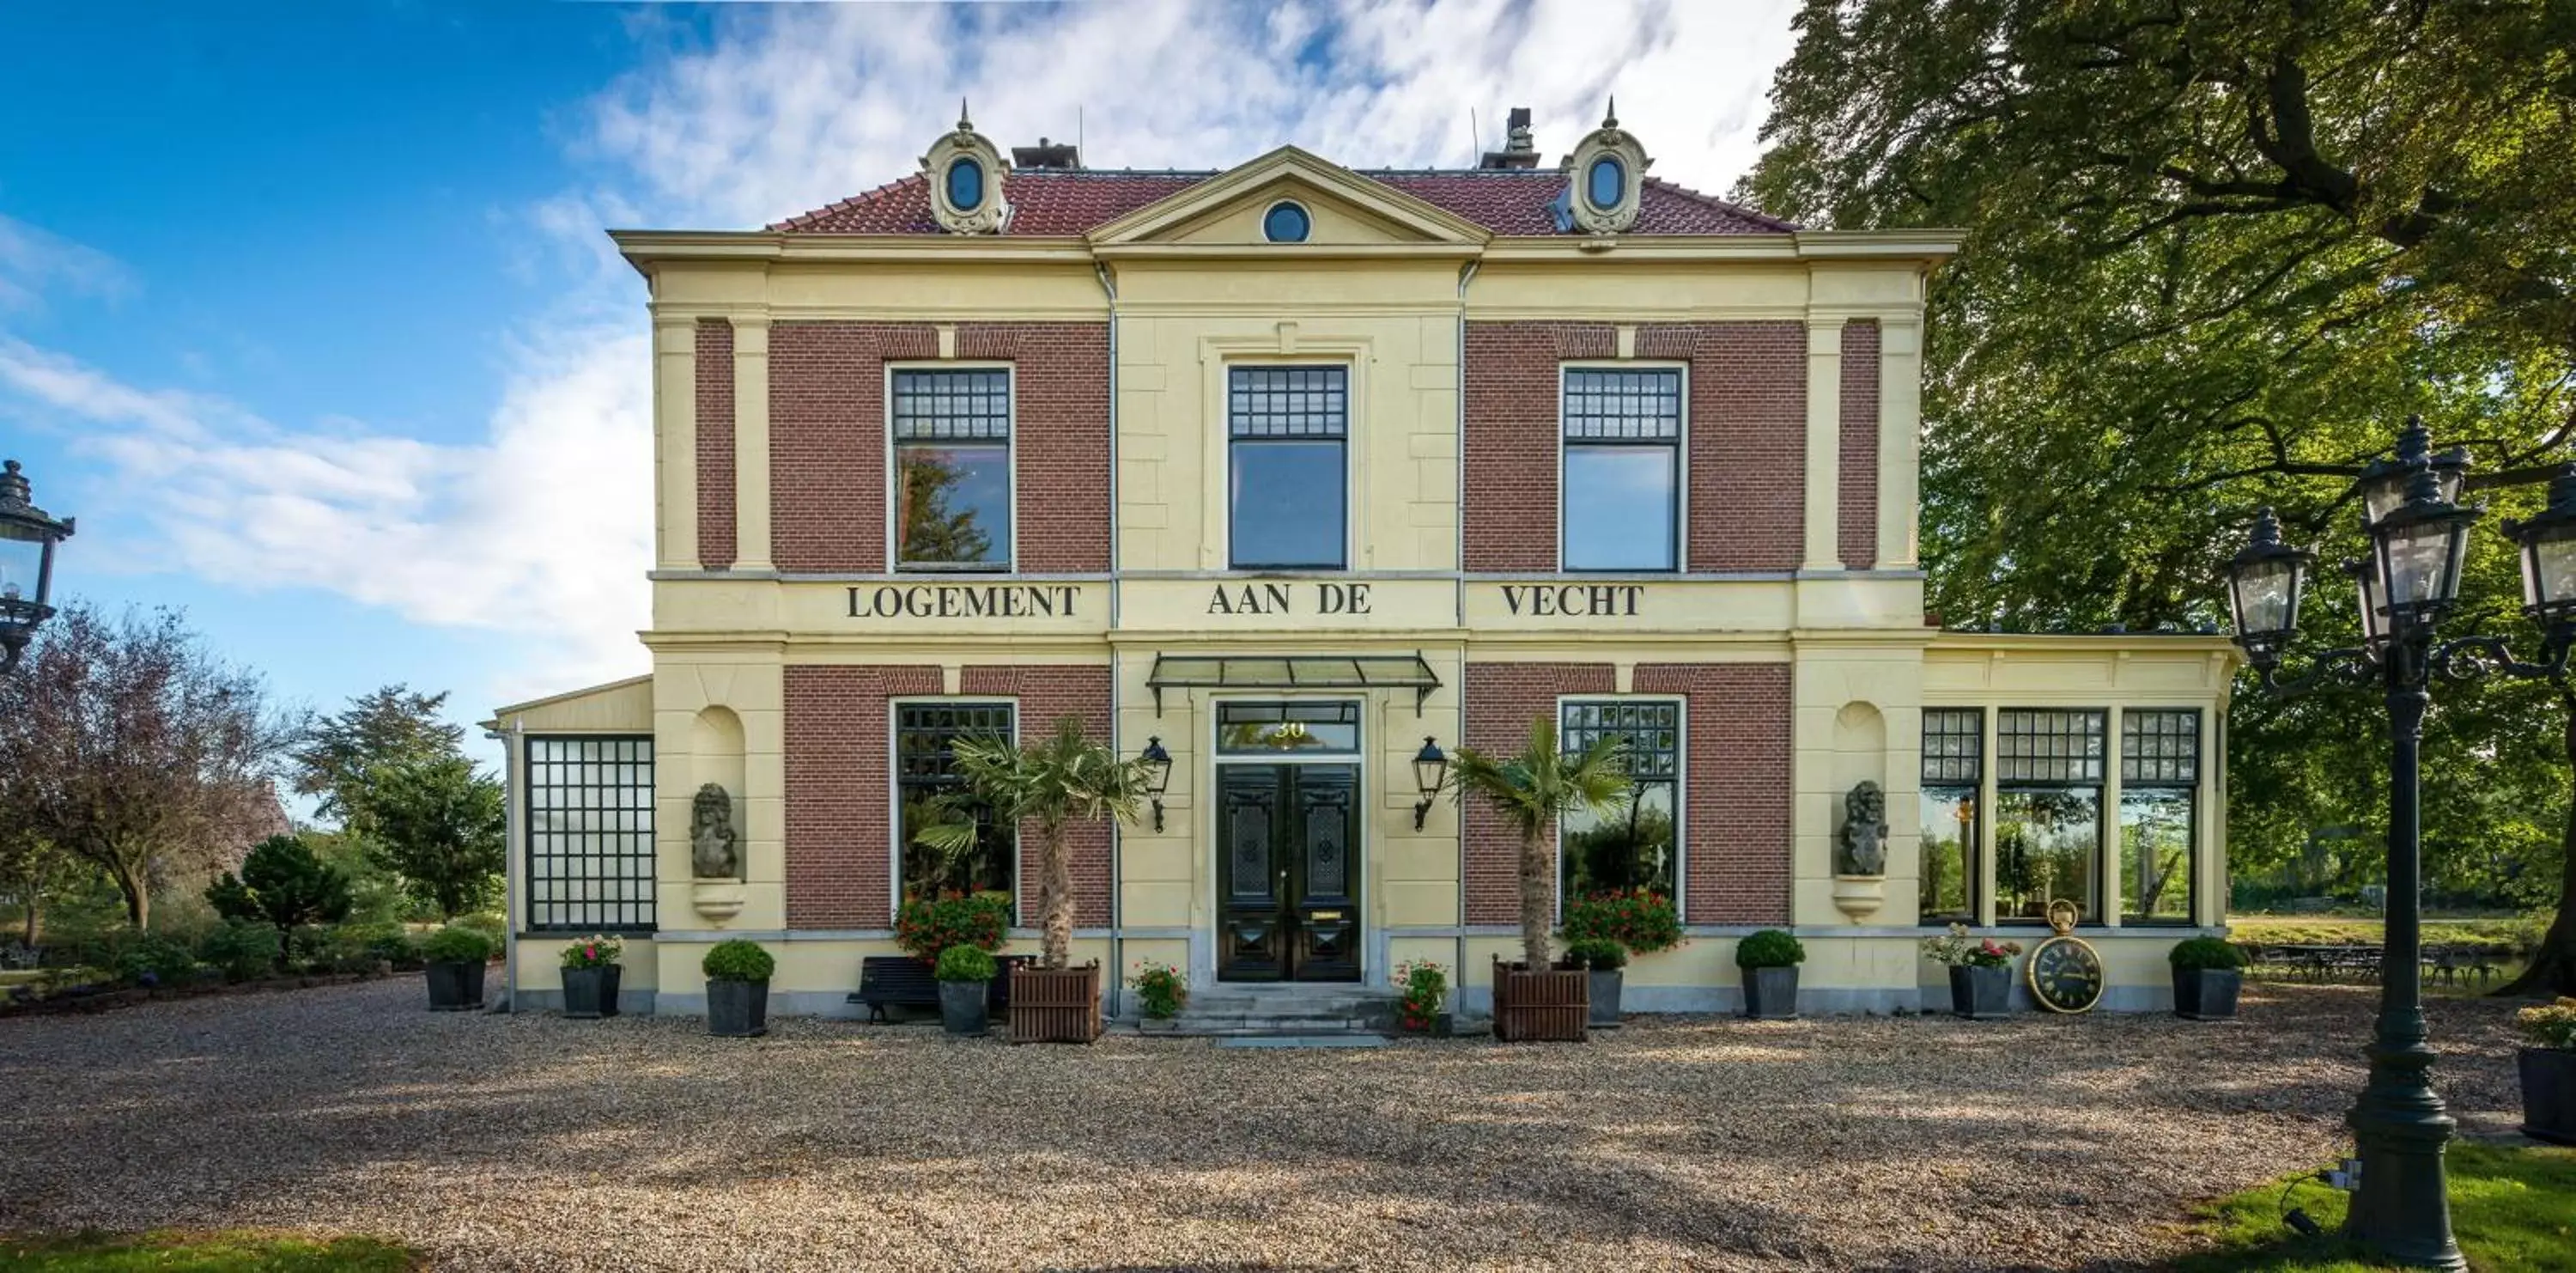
1954, 744
2159, 788
2048, 812
1286, 223
952, 469
1622, 487
1288, 483
1636, 845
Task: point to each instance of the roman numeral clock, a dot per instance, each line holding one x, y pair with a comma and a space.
2065, 972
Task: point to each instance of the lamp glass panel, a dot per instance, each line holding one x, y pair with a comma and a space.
2550, 568
2382, 497
2374, 617
2266, 594
2419, 564
22, 563
1427, 774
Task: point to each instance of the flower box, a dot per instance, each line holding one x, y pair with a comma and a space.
591, 993
1981, 993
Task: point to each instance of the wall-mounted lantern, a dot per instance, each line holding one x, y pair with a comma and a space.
1430, 773
1158, 774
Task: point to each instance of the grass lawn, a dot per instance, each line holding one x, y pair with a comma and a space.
2512, 1209
236, 1252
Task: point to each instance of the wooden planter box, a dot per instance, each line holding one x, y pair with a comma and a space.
1553, 1005
1059, 1006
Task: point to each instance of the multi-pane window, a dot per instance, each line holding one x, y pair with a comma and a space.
1288, 428
2048, 812
590, 834
1954, 741
952, 469
1623, 444
2159, 782
1638, 843
925, 768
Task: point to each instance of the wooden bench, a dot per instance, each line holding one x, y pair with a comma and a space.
901, 981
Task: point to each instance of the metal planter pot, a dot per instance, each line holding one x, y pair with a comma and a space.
2206, 994
738, 1009
1981, 994
2548, 1094
590, 993
1771, 994
965, 1006
455, 987
1605, 997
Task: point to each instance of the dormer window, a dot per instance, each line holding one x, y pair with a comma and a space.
1286, 222
966, 178
1606, 184
965, 184
1605, 178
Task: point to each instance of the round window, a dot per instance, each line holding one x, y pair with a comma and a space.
1605, 183
965, 185
1286, 223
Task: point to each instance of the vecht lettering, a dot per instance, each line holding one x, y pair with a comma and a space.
1582, 600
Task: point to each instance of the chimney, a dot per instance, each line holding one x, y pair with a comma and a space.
1046, 154
1520, 150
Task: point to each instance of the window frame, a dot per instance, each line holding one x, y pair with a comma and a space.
894, 562
1302, 211
1681, 791
1680, 445
894, 790
2191, 788
649, 856
1226, 473
1974, 850
2103, 816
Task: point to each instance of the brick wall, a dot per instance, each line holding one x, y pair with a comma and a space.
1747, 438
839, 844
1736, 814
1500, 700
1511, 521
1046, 695
827, 438
715, 445
1857, 506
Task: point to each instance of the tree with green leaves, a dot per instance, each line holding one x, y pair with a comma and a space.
333, 754
283, 883
1048, 786
32, 870
2214, 254
1531, 791
440, 826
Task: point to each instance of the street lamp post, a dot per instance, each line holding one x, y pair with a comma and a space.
27, 539
2419, 539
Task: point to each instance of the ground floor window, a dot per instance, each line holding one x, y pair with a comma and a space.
1637, 845
925, 767
2048, 812
590, 834
1954, 744
2159, 778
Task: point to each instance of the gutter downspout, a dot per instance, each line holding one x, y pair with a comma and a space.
514, 826
1116, 987
1466, 275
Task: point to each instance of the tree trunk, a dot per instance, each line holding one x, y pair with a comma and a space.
138, 896
1538, 902
2553, 965
1055, 897
35, 899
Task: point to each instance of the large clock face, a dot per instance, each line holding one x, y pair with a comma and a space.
2065, 975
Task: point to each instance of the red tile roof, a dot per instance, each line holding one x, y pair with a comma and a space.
1511, 202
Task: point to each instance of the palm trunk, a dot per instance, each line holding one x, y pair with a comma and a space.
1538, 901
1055, 897
2553, 965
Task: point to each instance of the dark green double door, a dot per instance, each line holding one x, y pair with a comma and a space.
1288, 873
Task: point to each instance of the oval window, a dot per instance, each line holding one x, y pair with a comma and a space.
1286, 223
1607, 181
966, 185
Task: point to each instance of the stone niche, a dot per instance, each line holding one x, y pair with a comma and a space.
716, 848
1859, 817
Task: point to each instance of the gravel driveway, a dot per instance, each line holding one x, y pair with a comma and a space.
531, 1142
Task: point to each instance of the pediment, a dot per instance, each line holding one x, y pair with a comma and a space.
1347, 210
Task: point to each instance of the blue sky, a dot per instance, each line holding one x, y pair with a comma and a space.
306, 313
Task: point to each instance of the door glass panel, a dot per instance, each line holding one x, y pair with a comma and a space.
1292, 728
1248, 839
1327, 859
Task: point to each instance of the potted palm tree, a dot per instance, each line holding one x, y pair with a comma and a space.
738, 988
1046, 786
2207, 973
1768, 961
965, 979
1535, 999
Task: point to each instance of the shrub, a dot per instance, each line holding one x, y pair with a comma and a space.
1160, 989
372, 942
593, 952
456, 944
927, 926
285, 883
1426, 988
1956, 949
1599, 954
148, 959
738, 960
2205, 954
1641, 920
1770, 948
2552, 1026
241, 951
489, 923
965, 963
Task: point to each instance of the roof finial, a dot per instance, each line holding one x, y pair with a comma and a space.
964, 125
1610, 117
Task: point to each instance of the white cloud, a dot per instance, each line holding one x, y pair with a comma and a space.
33, 262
